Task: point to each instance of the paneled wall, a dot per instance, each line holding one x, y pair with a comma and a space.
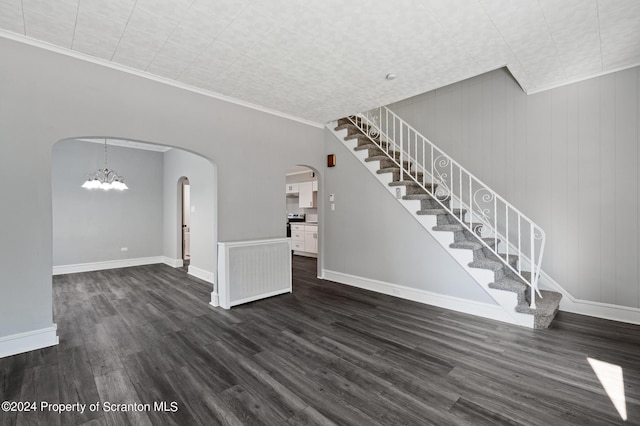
567, 157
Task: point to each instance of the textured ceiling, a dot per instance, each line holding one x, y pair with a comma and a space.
324, 59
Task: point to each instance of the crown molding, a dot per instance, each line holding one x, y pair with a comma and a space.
125, 143
579, 79
87, 58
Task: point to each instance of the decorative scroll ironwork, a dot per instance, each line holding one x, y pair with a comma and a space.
442, 190
483, 228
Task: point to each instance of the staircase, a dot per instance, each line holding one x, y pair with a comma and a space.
494, 242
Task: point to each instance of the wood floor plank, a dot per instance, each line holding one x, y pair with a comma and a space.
77, 385
115, 387
325, 354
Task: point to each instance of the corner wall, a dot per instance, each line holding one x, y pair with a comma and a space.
203, 185
567, 157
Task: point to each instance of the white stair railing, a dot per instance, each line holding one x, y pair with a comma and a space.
502, 228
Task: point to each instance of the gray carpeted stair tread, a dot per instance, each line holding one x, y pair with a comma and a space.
381, 158
512, 258
371, 145
451, 227
510, 284
546, 308
456, 212
396, 170
424, 196
360, 136
412, 183
347, 126
388, 170
472, 245
492, 265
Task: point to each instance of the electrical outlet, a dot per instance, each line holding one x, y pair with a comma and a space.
124, 248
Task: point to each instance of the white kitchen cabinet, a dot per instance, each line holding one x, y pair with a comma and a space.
298, 237
311, 239
304, 238
292, 188
306, 199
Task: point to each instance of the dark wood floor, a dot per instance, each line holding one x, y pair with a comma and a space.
326, 354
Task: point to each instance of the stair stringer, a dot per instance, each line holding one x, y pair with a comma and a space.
507, 300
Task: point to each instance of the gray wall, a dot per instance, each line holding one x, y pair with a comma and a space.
47, 97
92, 225
567, 157
371, 235
202, 181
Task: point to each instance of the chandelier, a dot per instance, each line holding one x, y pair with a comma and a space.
105, 179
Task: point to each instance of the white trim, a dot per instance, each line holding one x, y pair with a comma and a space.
77, 55
301, 172
259, 296
592, 309
579, 79
457, 304
201, 274
125, 143
109, 264
239, 243
28, 341
215, 299
174, 263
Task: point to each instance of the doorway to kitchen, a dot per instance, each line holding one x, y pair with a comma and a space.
185, 188
302, 206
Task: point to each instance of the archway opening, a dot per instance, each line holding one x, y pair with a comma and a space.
96, 230
185, 221
303, 206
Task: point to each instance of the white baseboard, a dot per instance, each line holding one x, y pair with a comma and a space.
109, 264
201, 273
592, 309
28, 341
215, 299
174, 263
457, 304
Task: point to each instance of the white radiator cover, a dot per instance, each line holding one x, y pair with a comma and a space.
252, 270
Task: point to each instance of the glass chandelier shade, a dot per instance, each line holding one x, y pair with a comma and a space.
105, 179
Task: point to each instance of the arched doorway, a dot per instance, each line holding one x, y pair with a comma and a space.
304, 218
95, 229
185, 221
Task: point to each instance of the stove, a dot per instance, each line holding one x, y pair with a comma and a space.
292, 218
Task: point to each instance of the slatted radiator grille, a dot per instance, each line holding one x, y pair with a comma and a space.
252, 270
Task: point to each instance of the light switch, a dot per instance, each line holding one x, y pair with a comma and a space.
193, 209
333, 206
332, 197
